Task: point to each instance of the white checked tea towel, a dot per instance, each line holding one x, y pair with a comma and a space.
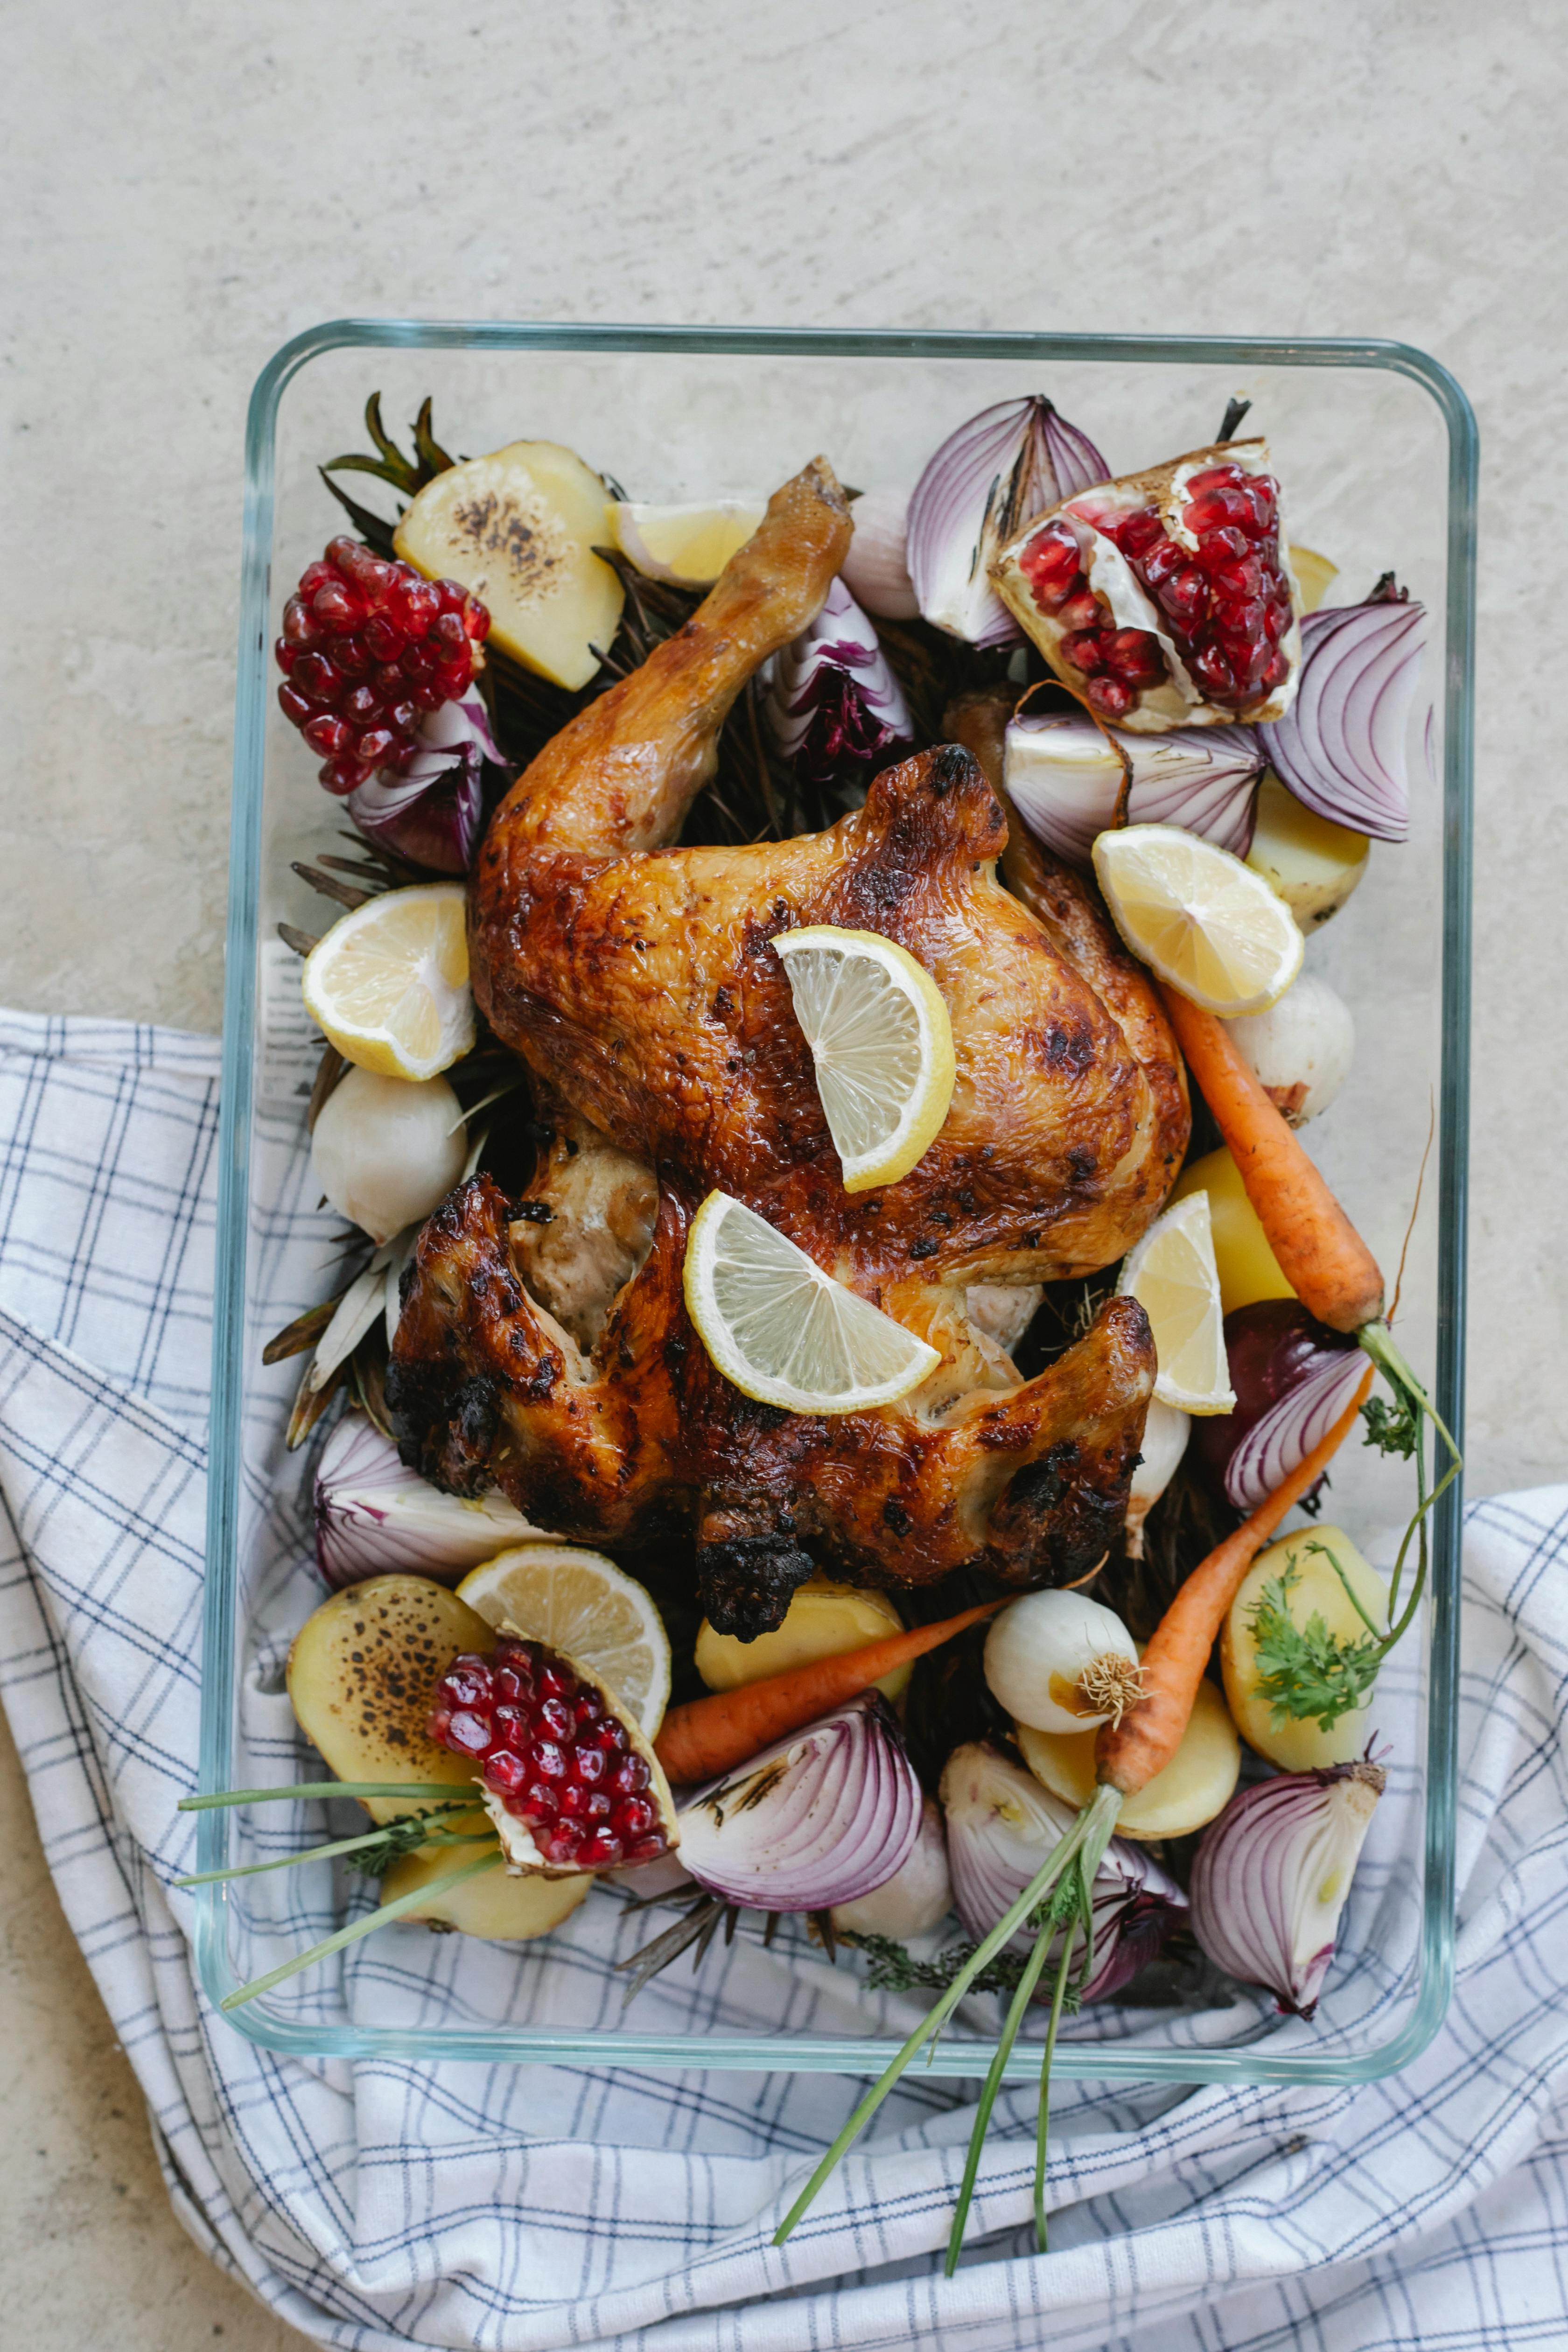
386, 2204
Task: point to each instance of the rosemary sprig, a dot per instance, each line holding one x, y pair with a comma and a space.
376, 1849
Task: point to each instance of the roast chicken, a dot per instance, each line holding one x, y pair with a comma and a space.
543, 1346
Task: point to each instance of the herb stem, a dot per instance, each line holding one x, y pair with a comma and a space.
416, 1791
1017, 2009
358, 1927
377, 1836
1043, 2127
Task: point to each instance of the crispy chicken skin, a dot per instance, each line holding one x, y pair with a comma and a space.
640, 985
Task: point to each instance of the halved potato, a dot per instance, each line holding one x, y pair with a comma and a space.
1195, 1785
1312, 862
518, 529
1247, 1268
822, 1620
362, 1677
495, 1905
1295, 1746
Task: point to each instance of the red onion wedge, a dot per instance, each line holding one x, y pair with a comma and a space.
1272, 1875
374, 1516
1001, 1825
834, 706
1293, 1377
432, 810
982, 485
1066, 774
1342, 745
822, 1818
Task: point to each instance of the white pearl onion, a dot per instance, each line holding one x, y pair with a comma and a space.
387, 1152
1037, 1648
1301, 1049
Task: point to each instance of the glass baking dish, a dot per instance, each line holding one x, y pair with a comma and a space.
1376, 445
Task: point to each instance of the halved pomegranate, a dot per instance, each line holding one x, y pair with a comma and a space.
1165, 599
567, 1778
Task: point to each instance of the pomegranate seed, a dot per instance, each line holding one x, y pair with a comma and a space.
628, 1776
1134, 656
1139, 533
1108, 695
504, 1772
403, 755
351, 657
599, 1850
555, 1718
402, 715
1218, 548
1082, 649
510, 1684
314, 675
1239, 620
344, 775
1262, 495
1161, 562
476, 620
1081, 611
510, 1725
562, 1842
1275, 621
389, 681
418, 662
429, 697
295, 706
1217, 477
335, 607
449, 631
548, 1760
374, 744
1215, 509
1214, 672
540, 1802
633, 1816
1277, 669
299, 623
315, 575
1186, 596
328, 734
1246, 578
451, 594
591, 1763
647, 1848
468, 1733
384, 638
573, 1802
440, 1723
361, 704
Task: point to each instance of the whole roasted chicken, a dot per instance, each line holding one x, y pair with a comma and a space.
544, 1346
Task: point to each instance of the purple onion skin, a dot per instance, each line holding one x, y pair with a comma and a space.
439, 827
1270, 1346
844, 732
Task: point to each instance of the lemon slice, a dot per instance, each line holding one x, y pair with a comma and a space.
1172, 1275
689, 545
783, 1331
1199, 917
388, 985
882, 1044
584, 1605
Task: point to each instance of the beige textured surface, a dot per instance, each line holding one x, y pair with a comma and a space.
187, 183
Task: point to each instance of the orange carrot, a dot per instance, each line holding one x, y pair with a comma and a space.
712, 1735
1321, 1254
1129, 1753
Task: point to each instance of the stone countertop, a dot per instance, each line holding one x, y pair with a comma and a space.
183, 191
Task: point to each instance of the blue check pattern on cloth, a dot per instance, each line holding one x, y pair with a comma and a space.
388, 2204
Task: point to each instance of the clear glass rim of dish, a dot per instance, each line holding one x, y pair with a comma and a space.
844, 2054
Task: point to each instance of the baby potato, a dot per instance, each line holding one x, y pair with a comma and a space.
1248, 1269
1196, 1784
1295, 1746
1313, 864
494, 1905
822, 1620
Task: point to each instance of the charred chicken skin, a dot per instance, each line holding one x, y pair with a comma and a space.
544, 1346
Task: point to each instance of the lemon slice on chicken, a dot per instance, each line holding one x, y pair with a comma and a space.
782, 1330
388, 985
882, 1044
687, 545
1199, 917
1172, 1275
584, 1606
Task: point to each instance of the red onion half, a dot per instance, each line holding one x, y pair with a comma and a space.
824, 1816
1001, 1825
1341, 748
983, 483
834, 706
1066, 780
1272, 1875
1293, 1377
432, 810
374, 1516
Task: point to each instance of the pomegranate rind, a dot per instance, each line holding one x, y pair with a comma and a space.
1179, 700
518, 1843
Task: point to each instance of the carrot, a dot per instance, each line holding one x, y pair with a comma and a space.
1129, 1753
1321, 1254
712, 1735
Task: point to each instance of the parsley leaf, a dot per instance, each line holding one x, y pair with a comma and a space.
1305, 1671
1393, 1429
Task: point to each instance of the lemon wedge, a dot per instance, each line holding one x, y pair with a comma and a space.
388, 985
882, 1044
783, 1331
584, 1606
1199, 917
686, 545
1172, 1275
